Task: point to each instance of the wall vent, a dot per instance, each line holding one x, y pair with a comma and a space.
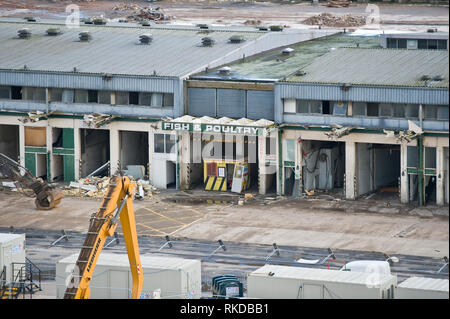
236, 39
146, 38
85, 36
53, 31
207, 41
24, 33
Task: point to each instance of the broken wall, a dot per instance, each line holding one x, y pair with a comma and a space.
9, 141
94, 149
133, 149
387, 167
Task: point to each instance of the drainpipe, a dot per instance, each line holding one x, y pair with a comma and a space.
280, 162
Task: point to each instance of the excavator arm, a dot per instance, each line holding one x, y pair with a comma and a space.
117, 203
46, 197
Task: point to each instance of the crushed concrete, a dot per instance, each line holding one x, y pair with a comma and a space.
330, 20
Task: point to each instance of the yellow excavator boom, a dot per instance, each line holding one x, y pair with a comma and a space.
117, 202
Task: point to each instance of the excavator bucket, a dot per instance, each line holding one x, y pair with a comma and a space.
48, 199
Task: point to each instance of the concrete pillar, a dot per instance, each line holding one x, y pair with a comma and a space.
298, 166
280, 166
184, 160
150, 154
440, 175
22, 144
49, 144
114, 150
77, 150
350, 170
404, 180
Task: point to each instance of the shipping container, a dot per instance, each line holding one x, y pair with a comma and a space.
283, 282
422, 288
177, 278
12, 250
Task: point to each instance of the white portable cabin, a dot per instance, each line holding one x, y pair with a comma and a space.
12, 250
422, 288
177, 278
283, 282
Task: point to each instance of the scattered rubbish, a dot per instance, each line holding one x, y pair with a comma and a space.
247, 196
309, 193
139, 13
329, 20
9, 184
96, 187
338, 4
370, 196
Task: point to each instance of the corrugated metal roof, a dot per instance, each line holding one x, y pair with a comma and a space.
383, 67
115, 50
121, 260
423, 283
326, 275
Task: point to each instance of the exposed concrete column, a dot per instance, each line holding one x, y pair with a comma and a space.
404, 181
184, 160
440, 174
150, 154
22, 144
77, 150
280, 166
114, 150
350, 170
49, 144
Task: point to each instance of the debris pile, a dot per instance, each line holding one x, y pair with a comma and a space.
139, 13
338, 4
329, 20
252, 22
96, 187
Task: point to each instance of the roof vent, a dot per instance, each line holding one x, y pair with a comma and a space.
88, 21
236, 38
145, 23
432, 30
287, 51
24, 33
276, 28
99, 21
207, 41
203, 26
225, 70
263, 28
53, 31
300, 73
31, 19
146, 38
438, 78
85, 36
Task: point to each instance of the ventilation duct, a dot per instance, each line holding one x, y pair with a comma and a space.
237, 39
146, 38
85, 36
203, 26
207, 41
24, 33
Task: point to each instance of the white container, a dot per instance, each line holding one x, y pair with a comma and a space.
177, 278
422, 288
12, 250
283, 282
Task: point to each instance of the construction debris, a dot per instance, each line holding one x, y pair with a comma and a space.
338, 132
96, 120
139, 13
329, 20
338, 4
96, 187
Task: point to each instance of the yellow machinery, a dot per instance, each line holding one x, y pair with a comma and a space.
117, 202
221, 175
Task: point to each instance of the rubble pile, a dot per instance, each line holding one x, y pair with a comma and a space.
96, 187
252, 22
338, 4
329, 20
139, 13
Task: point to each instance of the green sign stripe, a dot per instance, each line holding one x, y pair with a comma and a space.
35, 149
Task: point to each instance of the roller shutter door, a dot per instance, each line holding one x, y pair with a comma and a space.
202, 102
231, 103
260, 105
